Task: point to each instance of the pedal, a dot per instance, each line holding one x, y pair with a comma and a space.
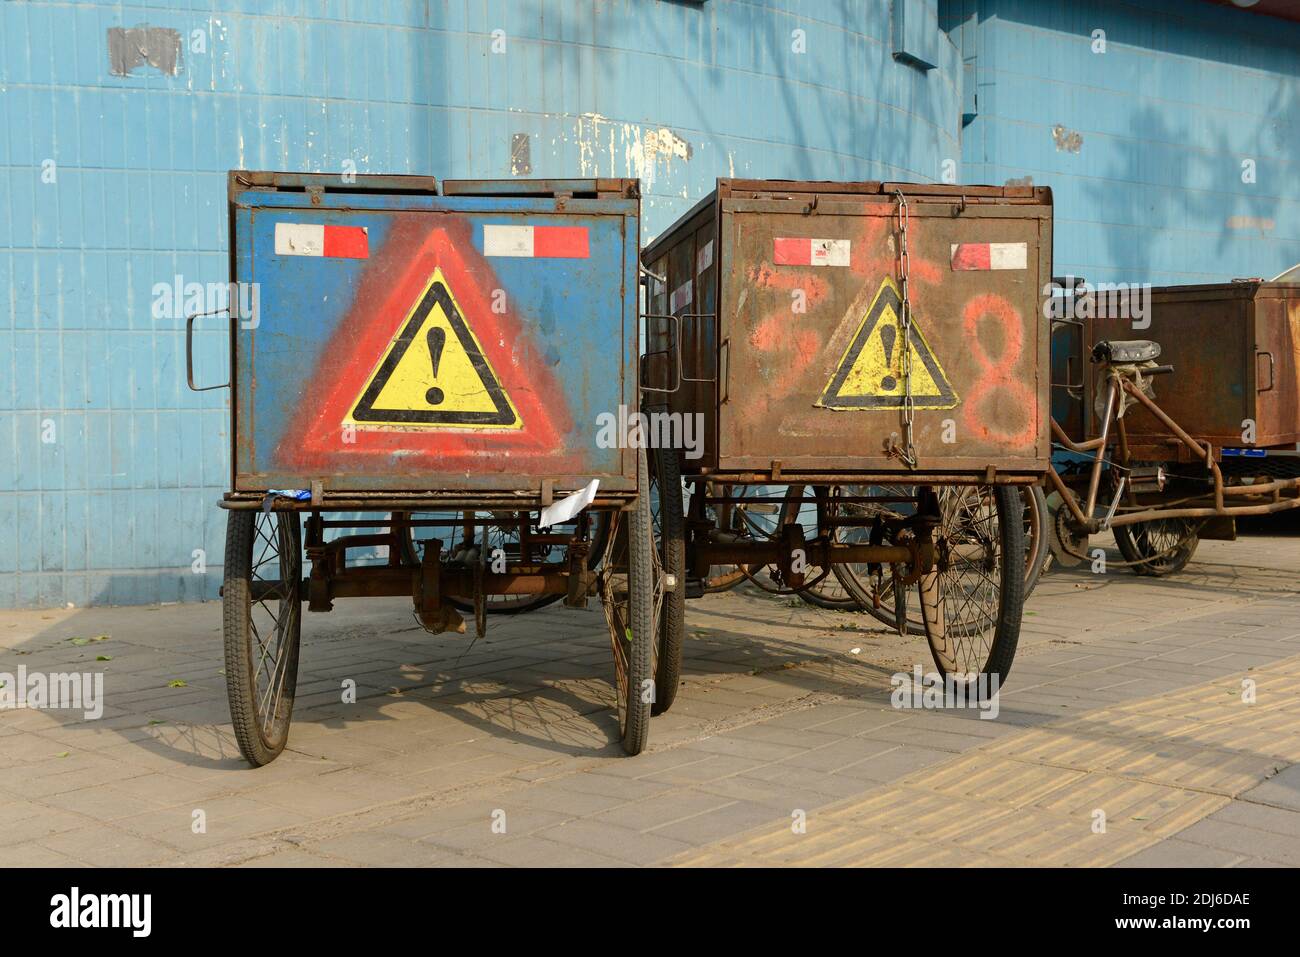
694, 587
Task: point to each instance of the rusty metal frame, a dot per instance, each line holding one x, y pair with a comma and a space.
429, 581
1202, 451
919, 554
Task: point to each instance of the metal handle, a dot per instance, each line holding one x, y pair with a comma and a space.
724, 372
189, 351
1272, 370
675, 351
675, 330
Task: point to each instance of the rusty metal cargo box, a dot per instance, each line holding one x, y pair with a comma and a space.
1234, 348
412, 337
784, 300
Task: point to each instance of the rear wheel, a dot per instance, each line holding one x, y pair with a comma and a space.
855, 577
261, 622
670, 540
1037, 537
630, 589
1163, 546
971, 605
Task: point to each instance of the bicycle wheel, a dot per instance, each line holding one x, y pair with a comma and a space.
670, 540
261, 611
1037, 543
971, 605
630, 586
1160, 547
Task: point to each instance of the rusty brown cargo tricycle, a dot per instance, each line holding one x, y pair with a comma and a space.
1185, 409
417, 369
869, 368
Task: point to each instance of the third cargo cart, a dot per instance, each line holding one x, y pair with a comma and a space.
1181, 404
868, 367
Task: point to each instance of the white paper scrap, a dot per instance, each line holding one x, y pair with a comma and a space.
569, 506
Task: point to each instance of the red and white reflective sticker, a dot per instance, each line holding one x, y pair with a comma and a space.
982, 256
681, 296
536, 242
333, 242
704, 258
811, 252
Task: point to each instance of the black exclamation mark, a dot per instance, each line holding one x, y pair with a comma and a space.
437, 339
887, 336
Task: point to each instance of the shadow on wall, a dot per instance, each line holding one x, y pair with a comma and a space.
1244, 227
1175, 201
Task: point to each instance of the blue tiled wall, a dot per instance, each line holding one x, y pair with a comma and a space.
1151, 189
112, 509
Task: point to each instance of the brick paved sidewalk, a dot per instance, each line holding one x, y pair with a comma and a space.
1126, 698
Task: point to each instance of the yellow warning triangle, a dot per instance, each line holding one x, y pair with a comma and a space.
433, 374
870, 373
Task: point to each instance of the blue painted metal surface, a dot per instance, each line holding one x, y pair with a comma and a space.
554, 330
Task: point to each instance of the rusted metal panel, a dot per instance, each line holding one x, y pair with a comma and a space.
409, 340
805, 341
1234, 348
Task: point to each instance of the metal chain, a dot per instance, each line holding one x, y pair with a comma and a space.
908, 453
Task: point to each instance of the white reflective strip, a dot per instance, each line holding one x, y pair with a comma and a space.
704, 258
299, 239
1008, 255
508, 241
830, 252
681, 296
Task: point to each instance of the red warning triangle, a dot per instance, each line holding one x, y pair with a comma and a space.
393, 307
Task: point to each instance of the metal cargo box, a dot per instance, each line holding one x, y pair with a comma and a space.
774, 310
411, 337
1234, 348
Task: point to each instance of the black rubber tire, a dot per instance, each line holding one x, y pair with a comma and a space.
670, 532
261, 742
628, 586
1038, 544
1135, 545
886, 615
1001, 650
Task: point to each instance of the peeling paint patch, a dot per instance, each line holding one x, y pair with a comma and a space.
1264, 224
633, 150
1020, 181
521, 155
1070, 141
133, 47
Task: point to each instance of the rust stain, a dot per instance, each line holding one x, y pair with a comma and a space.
765, 275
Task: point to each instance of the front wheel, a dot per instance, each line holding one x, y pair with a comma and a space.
1163, 546
971, 605
262, 617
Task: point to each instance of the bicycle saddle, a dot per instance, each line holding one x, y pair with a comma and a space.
1125, 350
